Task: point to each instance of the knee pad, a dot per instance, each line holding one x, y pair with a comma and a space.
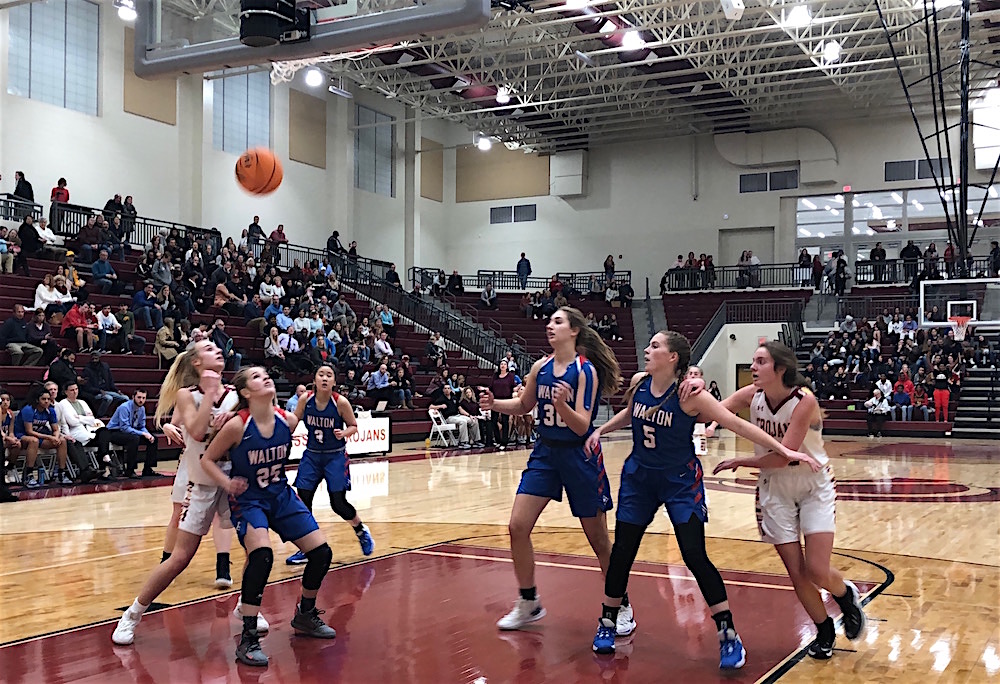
255, 576
317, 565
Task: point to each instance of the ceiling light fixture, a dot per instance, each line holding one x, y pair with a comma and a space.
808, 204
503, 95
314, 77
609, 27
831, 51
575, 4
798, 17
899, 198
633, 41
126, 9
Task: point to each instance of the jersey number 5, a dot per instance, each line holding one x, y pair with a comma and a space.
551, 417
266, 476
649, 433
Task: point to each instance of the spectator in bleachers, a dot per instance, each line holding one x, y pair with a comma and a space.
468, 405
278, 236
434, 355
610, 295
295, 358
942, 397
455, 285
910, 254
109, 331
6, 252
32, 244
878, 409
284, 319
877, 256
74, 449
383, 349
104, 274
161, 271
488, 298
817, 272
453, 414
37, 426
22, 188
53, 243
14, 338
849, 325
48, 299
127, 428
502, 386
595, 289
99, 386
165, 346
111, 238
931, 261
403, 386
840, 277
392, 277
920, 401
523, 271
128, 214
379, 387
293, 401
902, 402
89, 240
145, 306
39, 333
10, 446
274, 308
387, 321
625, 295
342, 312
254, 233
609, 269
61, 371
130, 339
113, 207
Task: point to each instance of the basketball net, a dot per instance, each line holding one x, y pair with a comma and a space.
960, 325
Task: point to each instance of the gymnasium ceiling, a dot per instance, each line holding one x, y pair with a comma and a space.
573, 84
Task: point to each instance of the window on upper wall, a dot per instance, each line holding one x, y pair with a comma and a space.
783, 180
524, 212
52, 53
241, 112
753, 182
374, 146
501, 215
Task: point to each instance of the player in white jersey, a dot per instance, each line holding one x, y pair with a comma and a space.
193, 389
793, 502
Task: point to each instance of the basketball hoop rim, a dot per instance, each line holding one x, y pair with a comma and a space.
960, 324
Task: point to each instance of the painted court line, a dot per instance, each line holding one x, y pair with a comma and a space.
570, 566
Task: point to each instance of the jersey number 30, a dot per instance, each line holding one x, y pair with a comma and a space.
551, 417
266, 476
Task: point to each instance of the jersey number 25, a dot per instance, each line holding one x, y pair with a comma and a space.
266, 476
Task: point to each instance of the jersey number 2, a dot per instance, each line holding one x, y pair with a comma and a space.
649, 433
551, 417
266, 476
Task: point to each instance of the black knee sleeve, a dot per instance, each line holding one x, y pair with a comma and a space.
319, 560
623, 553
341, 506
691, 540
255, 576
307, 497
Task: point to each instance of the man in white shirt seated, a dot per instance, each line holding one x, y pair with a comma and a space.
109, 330
383, 350
294, 358
302, 323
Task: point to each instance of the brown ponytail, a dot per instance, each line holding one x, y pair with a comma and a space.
782, 356
679, 345
597, 352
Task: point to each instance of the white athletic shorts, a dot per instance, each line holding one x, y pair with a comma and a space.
794, 502
201, 504
180, 482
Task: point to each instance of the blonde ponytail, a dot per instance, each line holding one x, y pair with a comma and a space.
182, 374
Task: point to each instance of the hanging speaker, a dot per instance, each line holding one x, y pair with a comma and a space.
262, 22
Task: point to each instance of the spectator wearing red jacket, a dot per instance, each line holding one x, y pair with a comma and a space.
81, 323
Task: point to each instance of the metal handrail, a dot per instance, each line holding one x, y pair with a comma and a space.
510, 281
737, 277
455, 328
903, 271
15, 209
757, 311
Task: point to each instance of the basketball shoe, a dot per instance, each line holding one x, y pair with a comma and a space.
310, 624
626, 621
854, 617
604, 640
524, 612
732, 655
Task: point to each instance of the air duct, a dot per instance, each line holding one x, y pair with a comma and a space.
813, 151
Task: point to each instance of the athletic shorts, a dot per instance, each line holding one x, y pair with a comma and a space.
679, 489
793, 502
332, 466
284, 513
179, 490
552, 468
201, 504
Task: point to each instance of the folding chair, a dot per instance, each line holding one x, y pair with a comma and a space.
441, 431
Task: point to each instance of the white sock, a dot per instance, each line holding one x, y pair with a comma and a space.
137, 609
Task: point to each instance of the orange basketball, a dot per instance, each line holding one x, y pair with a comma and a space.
259, 171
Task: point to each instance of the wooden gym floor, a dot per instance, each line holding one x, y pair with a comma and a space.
918, 528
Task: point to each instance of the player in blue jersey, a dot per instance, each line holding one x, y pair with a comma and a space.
567, 388
663, 469
329, 420
258, 441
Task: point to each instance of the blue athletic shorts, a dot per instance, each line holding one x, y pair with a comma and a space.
332, 466
551, 468
284, 513
679, 488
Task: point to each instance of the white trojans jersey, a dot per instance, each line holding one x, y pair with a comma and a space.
775, 420
193, 449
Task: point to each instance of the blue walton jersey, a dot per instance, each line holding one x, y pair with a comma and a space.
551, 425
260, 460
321, 424
662, 440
